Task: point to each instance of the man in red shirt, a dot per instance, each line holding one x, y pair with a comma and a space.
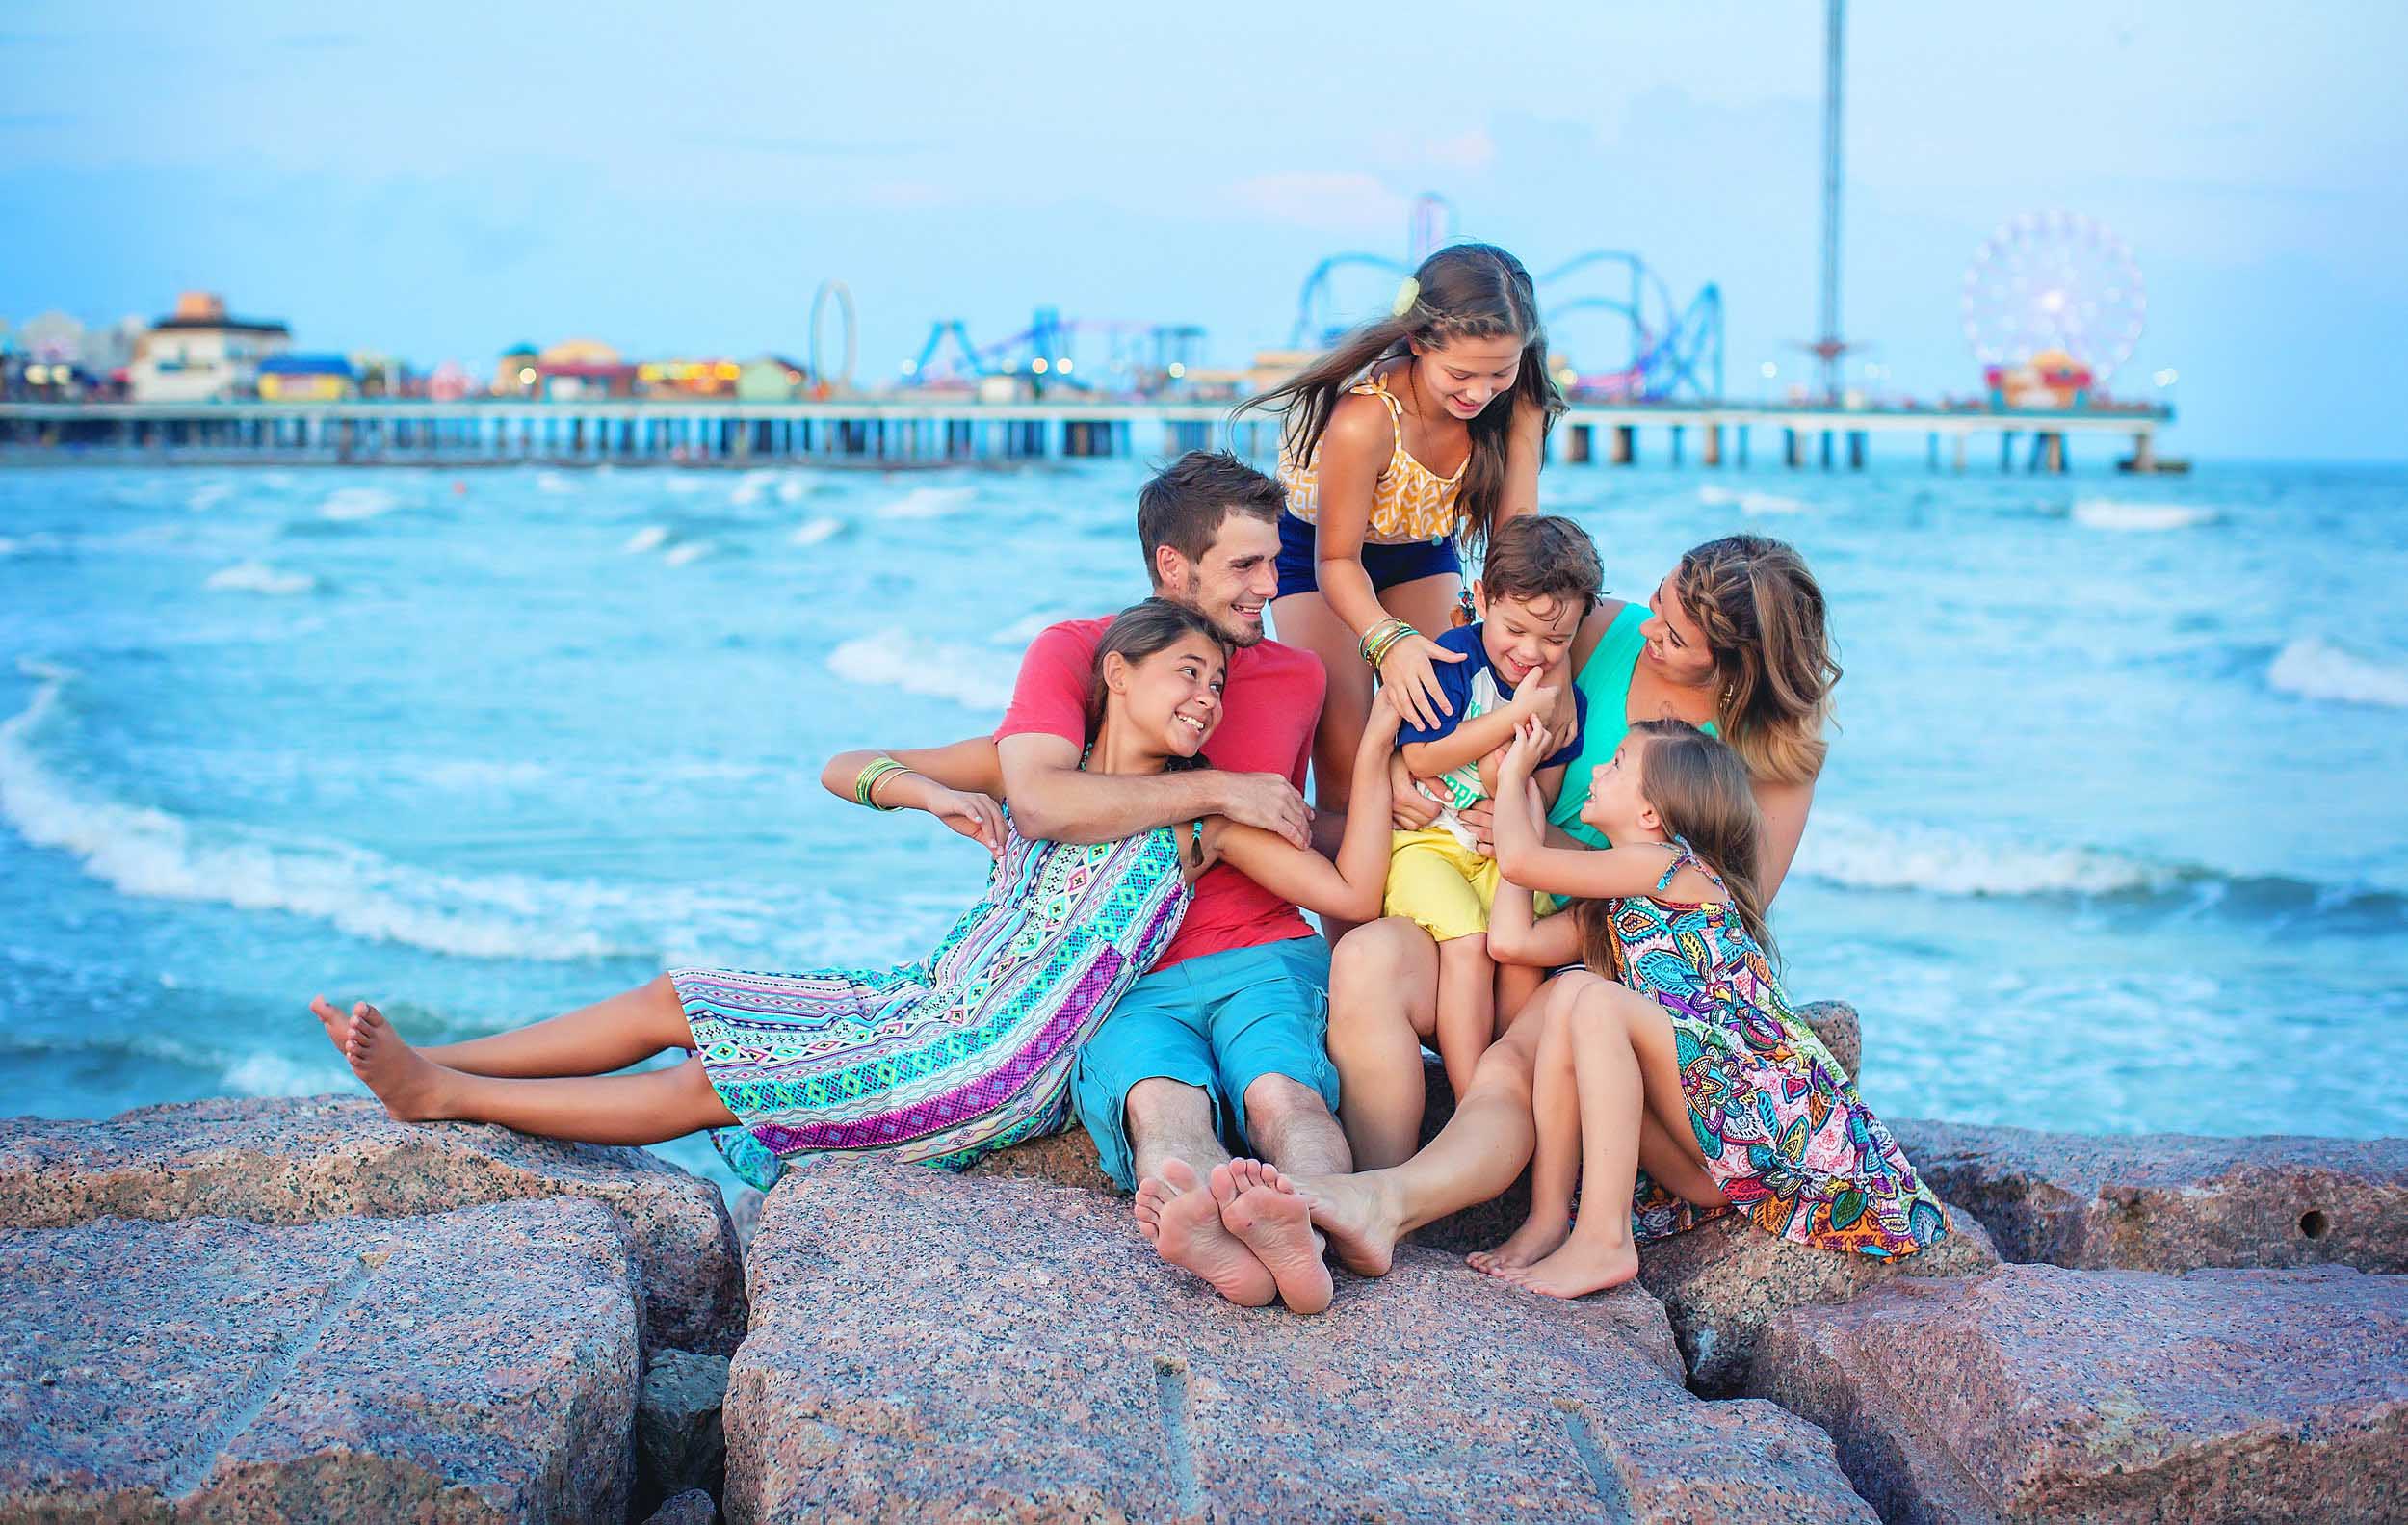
1226, 1036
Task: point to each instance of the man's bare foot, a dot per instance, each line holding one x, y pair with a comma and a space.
331, 1017
1534, 1241
409, 1084
1360, 1215
1182, 1220
1261, 1207
1579, 1269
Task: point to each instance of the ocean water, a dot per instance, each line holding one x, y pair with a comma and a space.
2112, 836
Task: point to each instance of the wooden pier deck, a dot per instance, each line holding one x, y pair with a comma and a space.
906, 430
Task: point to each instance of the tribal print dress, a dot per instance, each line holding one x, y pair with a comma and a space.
946, 1059
1776, 1117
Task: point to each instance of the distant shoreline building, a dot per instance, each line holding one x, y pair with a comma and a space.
200, 353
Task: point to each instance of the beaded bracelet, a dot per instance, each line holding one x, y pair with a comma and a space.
1382, 639
865, 786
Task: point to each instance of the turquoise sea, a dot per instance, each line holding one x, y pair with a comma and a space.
2112, 835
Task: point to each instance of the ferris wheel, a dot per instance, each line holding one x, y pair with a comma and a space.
2053, 283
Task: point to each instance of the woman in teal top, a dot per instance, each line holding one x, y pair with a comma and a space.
1735, 641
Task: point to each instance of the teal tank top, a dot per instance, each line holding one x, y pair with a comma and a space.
1606, 681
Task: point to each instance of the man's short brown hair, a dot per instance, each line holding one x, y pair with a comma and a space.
1536, 557
1183, 505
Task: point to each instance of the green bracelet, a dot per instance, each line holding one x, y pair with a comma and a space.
864, 786
1382, 639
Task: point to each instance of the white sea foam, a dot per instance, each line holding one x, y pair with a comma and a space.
259, 577
685, 551
651, 538
976, 677
209, 495
792, 490
1750, 502
357, 503
261, 1074
1844, 849
749, 490
2111, 514
25, 544
155, 853
928, 503
812, 532
683, 485
554, 482
2315, 669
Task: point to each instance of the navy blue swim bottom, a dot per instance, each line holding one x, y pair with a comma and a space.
1388, 565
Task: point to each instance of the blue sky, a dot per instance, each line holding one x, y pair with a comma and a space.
445, 179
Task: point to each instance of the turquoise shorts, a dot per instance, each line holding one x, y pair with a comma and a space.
1219, 1022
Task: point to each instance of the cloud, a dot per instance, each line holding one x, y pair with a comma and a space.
1467, 150
801, 147
1338, 202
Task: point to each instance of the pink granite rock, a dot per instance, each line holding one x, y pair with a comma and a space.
693, 1507
2041, 1393
477, 1365
2172, 1201
1723, 1281
288, 1160
931, 1346
743, 1213
1066, 1159
1836, 1024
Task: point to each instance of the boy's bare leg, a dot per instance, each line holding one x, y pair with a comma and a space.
1467, 1007
649, 1108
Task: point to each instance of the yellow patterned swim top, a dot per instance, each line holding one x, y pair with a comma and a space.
1410, 502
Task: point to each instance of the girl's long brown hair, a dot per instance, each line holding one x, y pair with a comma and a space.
1466, 291
1699, 790
1765, 621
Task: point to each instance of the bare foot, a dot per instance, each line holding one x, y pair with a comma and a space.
1180, 1216
1360, 1215
1534, 1241
1262, 1208
331, 1017
409, 1084
1579, 1269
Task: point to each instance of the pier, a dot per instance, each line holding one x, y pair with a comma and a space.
903, 431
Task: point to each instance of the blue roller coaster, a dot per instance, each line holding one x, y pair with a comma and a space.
1667, 350
1135, 357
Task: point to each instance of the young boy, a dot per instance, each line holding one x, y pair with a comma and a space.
1540, 579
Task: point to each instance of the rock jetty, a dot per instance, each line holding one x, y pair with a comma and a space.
301, 1310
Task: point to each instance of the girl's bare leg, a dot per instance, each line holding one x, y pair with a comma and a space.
1383, 1000
608, 1035
1599, 1252
649, 1108
1676, 1165
1306, 621
1473, 1158
1555, 1168
1467, 1013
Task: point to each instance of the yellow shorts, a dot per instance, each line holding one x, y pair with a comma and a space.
1444, 886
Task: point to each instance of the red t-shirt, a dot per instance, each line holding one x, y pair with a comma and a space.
1269, 706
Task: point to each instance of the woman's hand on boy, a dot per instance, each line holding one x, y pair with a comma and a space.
1409, 672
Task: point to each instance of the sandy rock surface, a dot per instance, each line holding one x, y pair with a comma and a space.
287, 1161
2042, 1393
925, 1344
476, 1365
2172, 1201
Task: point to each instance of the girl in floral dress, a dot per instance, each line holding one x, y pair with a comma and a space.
1689, 1087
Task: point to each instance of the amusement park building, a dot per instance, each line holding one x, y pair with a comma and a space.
200, 354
